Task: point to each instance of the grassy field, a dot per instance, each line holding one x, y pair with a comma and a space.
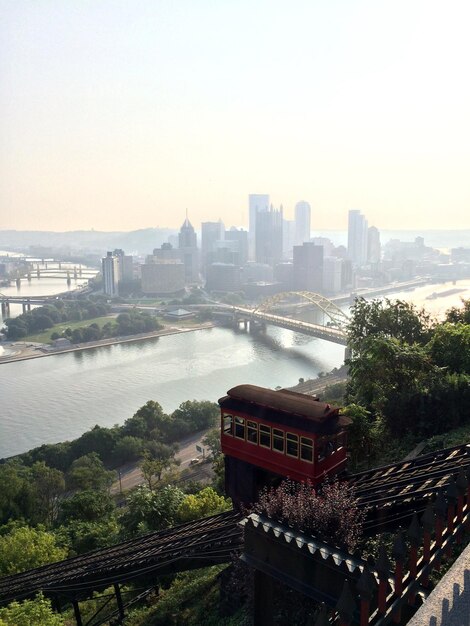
45, 336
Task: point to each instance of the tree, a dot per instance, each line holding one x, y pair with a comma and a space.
128, 449
459, 314
198, 414
450, 347
151, 510
98, 439
147, 421
88, 472
16, 496
83, 536
212, 441
48, 485
30, 613
154, 467
205, 502
24, 548
88, 506
387, 319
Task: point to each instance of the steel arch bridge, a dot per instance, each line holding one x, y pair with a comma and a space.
330, 309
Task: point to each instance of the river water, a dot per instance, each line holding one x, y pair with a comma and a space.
59, 397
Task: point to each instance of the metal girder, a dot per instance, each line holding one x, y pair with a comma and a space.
329, 308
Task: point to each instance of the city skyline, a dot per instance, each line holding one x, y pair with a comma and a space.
119, 116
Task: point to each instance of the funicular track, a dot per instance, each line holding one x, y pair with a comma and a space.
196, 544
392, 493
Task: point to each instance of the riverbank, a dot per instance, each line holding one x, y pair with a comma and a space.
24, 351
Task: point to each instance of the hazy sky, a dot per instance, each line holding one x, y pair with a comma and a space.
121, 114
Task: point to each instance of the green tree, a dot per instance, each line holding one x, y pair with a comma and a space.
83, 536
198, 414
37, 612
48, 485
151, 510
459, 314
153, 468
387, 319
212, 442
128, 449
88, 472
147, 422
24, 548
205, 502
450, 347
88, 506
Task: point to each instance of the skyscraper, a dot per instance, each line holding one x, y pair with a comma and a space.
302, 222
256, 202
373, 245
211, 232
110, 268
268, 240
357, 238
187, 244
308, 267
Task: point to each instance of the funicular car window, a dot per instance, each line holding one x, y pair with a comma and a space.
264, 436
239, 427
306, 449
278, 440
292, 445
252, 432
228, 424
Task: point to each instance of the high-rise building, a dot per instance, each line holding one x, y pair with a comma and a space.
211, 232
239, 236
302, 222
126, 265
288, 238
308, 267
332, 272
163, 277
187, 245
268, 241
110, 269
256, 202
373, 246
357, 238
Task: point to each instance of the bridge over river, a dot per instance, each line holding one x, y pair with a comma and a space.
334, 330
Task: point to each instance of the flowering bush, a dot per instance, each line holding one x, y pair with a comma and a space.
332, 516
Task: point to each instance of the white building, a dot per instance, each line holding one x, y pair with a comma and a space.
302, 222
110, 269
357, 238
256, 202
332, 271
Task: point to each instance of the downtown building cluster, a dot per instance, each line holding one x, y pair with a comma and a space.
275, 254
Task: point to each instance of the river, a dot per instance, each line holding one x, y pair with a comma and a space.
59, 397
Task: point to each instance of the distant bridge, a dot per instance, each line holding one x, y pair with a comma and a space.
334, 331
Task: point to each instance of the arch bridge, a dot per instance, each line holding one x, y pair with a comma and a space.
334, 330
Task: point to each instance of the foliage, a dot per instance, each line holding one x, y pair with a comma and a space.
88, 472
154, 467
193, 597
202, 504
151, 510
44, 317
24, 548
450, 347
30, 613
212, 442
387, 319
332, 515
48, 485
81, 536
87, 506
460, 314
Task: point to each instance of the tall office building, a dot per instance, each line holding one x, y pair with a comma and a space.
256, 202
239, 236
211, 232
302, 222
125, 264
288, 238
110, 269
308, 267
187, 245
357, 238
268, 240
373, 245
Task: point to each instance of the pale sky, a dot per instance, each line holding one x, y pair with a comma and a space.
120, 114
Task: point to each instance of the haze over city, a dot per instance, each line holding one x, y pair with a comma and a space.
122, 115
